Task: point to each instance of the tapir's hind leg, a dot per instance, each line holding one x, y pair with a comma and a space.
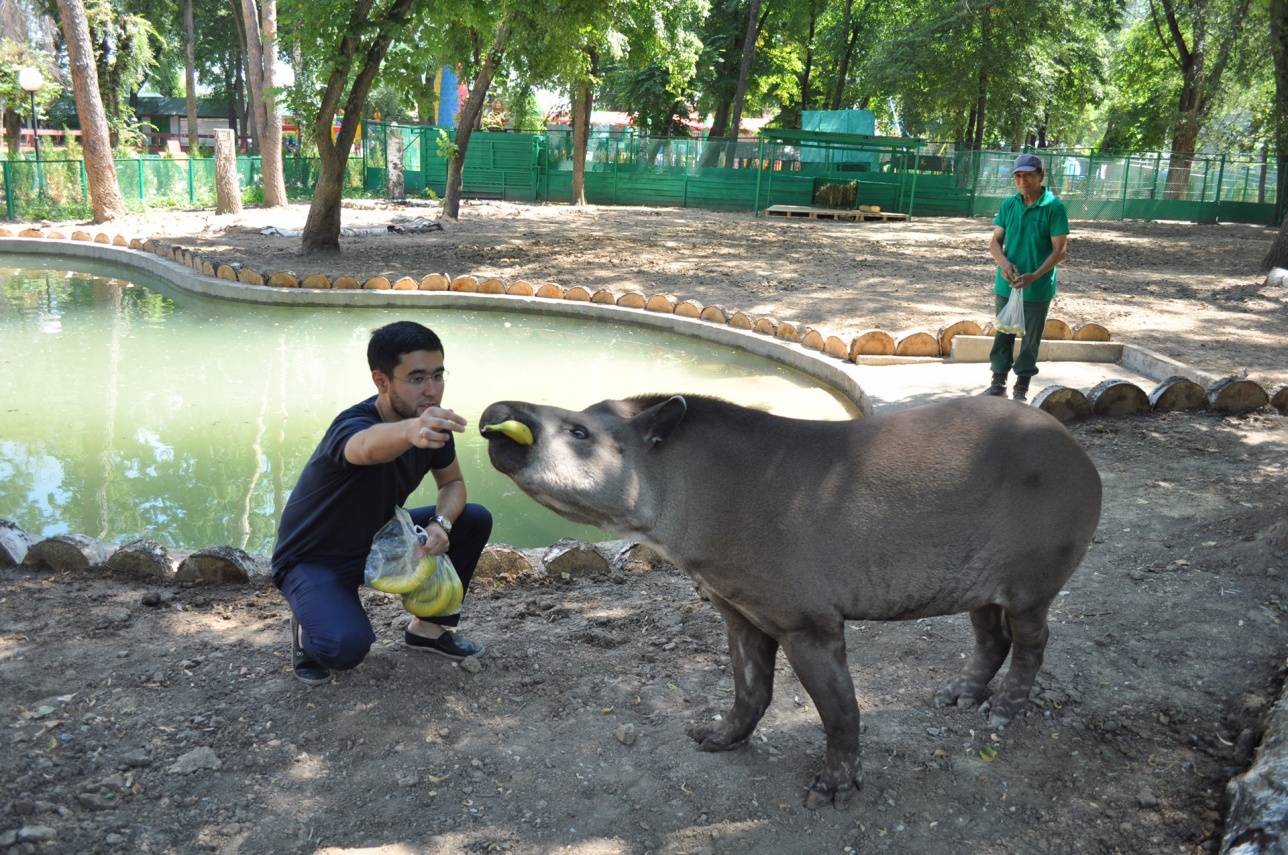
818, 658
992, 643
1028, 641
752, 655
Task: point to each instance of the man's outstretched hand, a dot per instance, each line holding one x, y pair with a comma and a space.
432, 428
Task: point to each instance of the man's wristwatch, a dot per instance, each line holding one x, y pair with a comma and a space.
444, 523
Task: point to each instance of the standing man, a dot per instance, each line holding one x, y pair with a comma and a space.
372, 457
1030, 237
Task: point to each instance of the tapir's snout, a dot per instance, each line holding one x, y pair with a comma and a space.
509, 433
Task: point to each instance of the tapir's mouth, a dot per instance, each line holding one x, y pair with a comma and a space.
512, 429
509, 437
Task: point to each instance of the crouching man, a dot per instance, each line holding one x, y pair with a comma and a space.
372, 457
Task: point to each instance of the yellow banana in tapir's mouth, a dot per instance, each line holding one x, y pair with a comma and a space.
512, 428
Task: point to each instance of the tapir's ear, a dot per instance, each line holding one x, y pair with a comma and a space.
656, 423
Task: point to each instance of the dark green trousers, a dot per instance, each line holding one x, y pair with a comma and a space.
1026, 365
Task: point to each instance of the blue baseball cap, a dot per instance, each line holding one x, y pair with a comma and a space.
1027, 163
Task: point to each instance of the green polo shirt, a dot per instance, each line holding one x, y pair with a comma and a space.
1027, 242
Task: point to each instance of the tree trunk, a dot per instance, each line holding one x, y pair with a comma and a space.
271, 136
1185, 132
12, 130
470, 113
245, 132
190, 75
744, 76
843, 71
245, 100
322, 228
1276, 261
1199, 86
981, 99
227, 185
254, 56
583, 101
1261, 174
100, 170
719, 121
809, 59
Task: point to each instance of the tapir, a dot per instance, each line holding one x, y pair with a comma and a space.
792, 527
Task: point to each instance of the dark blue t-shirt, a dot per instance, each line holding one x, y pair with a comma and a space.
337, 507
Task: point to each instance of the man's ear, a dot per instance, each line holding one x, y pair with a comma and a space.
657, 422
381, 380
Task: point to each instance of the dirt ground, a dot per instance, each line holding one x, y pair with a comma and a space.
1189, 291
142, 717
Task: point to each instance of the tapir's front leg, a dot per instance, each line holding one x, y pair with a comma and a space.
751, 654
818, 657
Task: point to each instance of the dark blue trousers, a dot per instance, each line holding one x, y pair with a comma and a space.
324, 597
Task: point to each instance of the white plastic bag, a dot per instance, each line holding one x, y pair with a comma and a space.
393, 565
1011, 318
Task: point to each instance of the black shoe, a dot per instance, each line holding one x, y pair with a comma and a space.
446, 644
997, 389
1020, 391
306, 670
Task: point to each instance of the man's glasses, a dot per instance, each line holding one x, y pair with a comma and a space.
420, 378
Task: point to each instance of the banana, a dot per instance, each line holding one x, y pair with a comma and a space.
407, 583
514, 429
428, 601
441, 595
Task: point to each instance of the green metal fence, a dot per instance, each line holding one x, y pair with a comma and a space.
778, 167
497, 165
803, 168
54, 189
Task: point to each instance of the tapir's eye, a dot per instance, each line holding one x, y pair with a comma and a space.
579, 432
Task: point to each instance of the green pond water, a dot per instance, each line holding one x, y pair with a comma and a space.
128, 409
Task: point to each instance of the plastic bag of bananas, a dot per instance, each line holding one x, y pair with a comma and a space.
393, 565
430, 585
440, 594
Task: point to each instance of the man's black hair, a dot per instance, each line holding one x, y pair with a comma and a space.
390, 342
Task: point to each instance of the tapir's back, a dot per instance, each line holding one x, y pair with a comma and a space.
920, 511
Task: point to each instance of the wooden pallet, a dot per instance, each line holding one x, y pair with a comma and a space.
803, 212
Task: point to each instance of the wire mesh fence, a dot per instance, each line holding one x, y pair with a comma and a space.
57, 189
911, 176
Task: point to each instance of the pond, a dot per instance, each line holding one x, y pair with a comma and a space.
130, 409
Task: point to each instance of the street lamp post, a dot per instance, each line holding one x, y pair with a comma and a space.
31, 79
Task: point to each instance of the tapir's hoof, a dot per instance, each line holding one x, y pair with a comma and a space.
713, 737
821, 794
960, 694
1001, 712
